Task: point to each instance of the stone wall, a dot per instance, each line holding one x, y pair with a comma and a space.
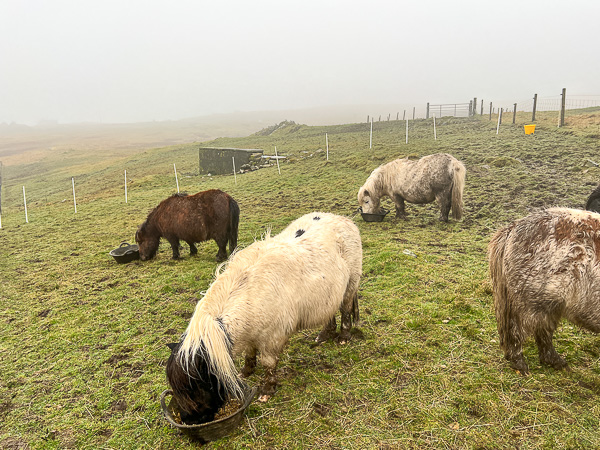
217, 161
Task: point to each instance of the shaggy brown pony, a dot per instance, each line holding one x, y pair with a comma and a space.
545, 267
211, 214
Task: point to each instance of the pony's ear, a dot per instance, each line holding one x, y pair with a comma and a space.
172, 346
366, 193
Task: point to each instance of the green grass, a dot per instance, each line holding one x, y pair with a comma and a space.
83, 339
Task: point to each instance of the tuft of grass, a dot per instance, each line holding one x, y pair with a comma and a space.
83, 338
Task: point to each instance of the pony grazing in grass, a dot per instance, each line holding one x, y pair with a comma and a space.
211, 214
298, 279
545, 267
438, 177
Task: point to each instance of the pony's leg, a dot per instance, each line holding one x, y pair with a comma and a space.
512, 343
328, 331
547, 352
250, 364
269, 387
222, 253
346, 326
349, 309
193, 249
445, 202
175, 247
399, 202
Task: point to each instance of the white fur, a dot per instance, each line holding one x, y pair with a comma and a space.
273, 288
421, 181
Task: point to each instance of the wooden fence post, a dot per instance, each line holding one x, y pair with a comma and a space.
470, 108
427, 113
562, 107
414, 112
534, 107
481, 107
490, 110
514, 113
404, 115
475, 106
499, 120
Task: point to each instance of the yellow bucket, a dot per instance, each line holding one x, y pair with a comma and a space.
529, 129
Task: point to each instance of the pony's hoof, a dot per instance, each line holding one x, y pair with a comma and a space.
343, 340
264, 398
520, 366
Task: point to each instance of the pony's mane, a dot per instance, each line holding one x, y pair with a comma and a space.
374, 183
143, 226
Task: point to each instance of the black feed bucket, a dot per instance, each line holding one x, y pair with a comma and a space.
210, 431
374, 217
125, 253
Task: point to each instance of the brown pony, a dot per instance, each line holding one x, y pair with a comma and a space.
544, 267
211, 214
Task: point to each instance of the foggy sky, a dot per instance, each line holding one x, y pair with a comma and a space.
142, 60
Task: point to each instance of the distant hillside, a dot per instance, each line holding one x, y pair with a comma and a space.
22, 143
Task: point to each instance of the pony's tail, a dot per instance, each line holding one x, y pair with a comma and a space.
502, 303
234, 220
206, 335
458, 186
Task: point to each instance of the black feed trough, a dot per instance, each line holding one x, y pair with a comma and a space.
374, 217
125, 253
209, 431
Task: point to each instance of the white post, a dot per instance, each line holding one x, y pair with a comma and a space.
234, 175
499, 117
434, 131
25, 203
407, 131
371, 135
125, 185
176, 180
74, 201
327, 144
277, 159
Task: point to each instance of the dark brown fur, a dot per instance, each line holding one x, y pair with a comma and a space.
211, 214
593, 201
543, 268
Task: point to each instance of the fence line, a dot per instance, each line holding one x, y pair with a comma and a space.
420, 130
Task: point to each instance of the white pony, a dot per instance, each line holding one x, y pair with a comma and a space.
298, 279
438, 177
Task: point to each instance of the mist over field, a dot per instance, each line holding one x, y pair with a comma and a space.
142, 61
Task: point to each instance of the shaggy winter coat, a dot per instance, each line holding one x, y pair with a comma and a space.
439, 177
211, 214
298, 279
544, 267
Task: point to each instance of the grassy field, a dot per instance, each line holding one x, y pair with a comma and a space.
83, 339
